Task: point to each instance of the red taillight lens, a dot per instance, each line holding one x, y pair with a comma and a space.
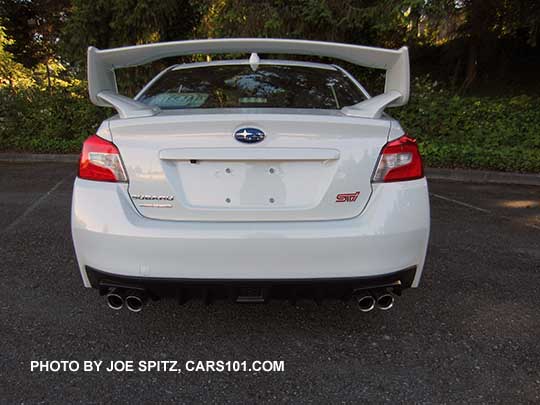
399, 160
100, 161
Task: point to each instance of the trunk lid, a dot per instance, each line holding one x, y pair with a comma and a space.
188, 166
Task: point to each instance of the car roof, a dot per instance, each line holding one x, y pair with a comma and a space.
268, 62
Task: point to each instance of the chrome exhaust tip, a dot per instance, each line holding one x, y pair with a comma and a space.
135, 301
385, 301
115, 300
365, 302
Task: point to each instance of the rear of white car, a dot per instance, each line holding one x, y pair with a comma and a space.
250, 180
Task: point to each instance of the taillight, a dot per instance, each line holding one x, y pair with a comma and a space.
399, 160
100, 161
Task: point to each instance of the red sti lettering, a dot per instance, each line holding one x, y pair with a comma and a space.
347, 197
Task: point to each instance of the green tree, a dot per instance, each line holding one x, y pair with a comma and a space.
352, 21
34, 26
471, 38
107, 24
480, 34
12, 73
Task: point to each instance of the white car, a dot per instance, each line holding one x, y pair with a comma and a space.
250, 179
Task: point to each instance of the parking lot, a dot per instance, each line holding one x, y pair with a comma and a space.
471, 333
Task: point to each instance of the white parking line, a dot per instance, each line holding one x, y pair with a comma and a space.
474, 207
32, 207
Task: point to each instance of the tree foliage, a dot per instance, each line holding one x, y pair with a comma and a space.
107, 24
12, 73
480, 37
462, 40
34, 27
355, 21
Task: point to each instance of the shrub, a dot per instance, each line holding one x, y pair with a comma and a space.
38, 121
473, 132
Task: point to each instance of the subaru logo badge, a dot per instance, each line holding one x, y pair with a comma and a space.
249, 135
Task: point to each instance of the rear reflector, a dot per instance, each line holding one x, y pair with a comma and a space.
399, 160
100, 161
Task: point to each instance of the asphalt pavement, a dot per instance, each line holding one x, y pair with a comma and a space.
470, 333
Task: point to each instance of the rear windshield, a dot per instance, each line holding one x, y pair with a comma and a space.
238, 86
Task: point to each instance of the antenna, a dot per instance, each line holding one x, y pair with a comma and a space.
254, 61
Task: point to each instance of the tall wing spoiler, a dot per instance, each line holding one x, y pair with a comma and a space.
102, 63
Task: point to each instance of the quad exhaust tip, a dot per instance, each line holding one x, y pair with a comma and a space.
385, 301
368, 300
134, 303
135, 300
365, 302
115, 300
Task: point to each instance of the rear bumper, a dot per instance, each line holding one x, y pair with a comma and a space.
390, 235
248, 289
